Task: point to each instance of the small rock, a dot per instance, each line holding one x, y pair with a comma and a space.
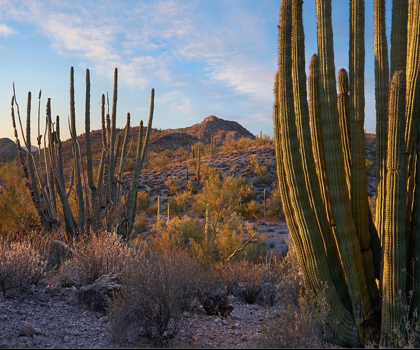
21, 346
8, 340
26, 328
38, 331
42, 297
186, 314
3, 317
104, 319
244, 337
29, 344
24, 339
95, 297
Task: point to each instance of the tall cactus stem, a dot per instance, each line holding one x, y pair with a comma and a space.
381, 99
76, 155
394, 276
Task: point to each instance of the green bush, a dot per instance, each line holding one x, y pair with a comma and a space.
222, 196
181, 202
259, 170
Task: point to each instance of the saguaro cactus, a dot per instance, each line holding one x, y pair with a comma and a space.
337, 153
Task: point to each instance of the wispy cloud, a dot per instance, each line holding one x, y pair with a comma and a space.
5, 30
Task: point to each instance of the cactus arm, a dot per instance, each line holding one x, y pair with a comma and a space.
141, 154
113, 155
343, 113
346, 237
76, 153
313, 248
93, 188
412, 110
316, 135
42, 211
399, 35
56, 167
123, 158
412, 102
358, 178
381, 98
394, 276
31, 166
303, 133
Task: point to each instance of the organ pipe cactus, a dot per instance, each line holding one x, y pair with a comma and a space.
339, 245
100, 203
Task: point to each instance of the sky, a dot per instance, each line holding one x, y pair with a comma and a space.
202, 57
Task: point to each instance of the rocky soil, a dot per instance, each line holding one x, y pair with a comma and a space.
52, 318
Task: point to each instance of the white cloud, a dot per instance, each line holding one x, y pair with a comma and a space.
5, 30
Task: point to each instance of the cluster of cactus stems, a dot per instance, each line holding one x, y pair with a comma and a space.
370, 266
100, 201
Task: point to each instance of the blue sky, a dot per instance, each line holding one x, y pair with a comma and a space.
203, 57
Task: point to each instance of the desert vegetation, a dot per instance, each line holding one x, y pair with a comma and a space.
153, 229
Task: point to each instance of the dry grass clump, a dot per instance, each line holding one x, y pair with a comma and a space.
158, 288
301, 320
20, 266
249, 281
97, 255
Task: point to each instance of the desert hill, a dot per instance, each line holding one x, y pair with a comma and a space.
7, 148
223, 130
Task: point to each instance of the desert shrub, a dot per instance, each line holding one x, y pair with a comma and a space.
159, 159
143, 199
155, 297
20, 267
206, 171
141, 224
177, 233
129, 166
18, 213
259, 170
252, 210
301, 319
97, 255
227, 237
222, 196
252, 282
274, 206
173, 184
181, 202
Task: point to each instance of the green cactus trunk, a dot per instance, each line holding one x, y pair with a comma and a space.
381, 97
394, 275
76, 155
358, 176
312, 249
344, 115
